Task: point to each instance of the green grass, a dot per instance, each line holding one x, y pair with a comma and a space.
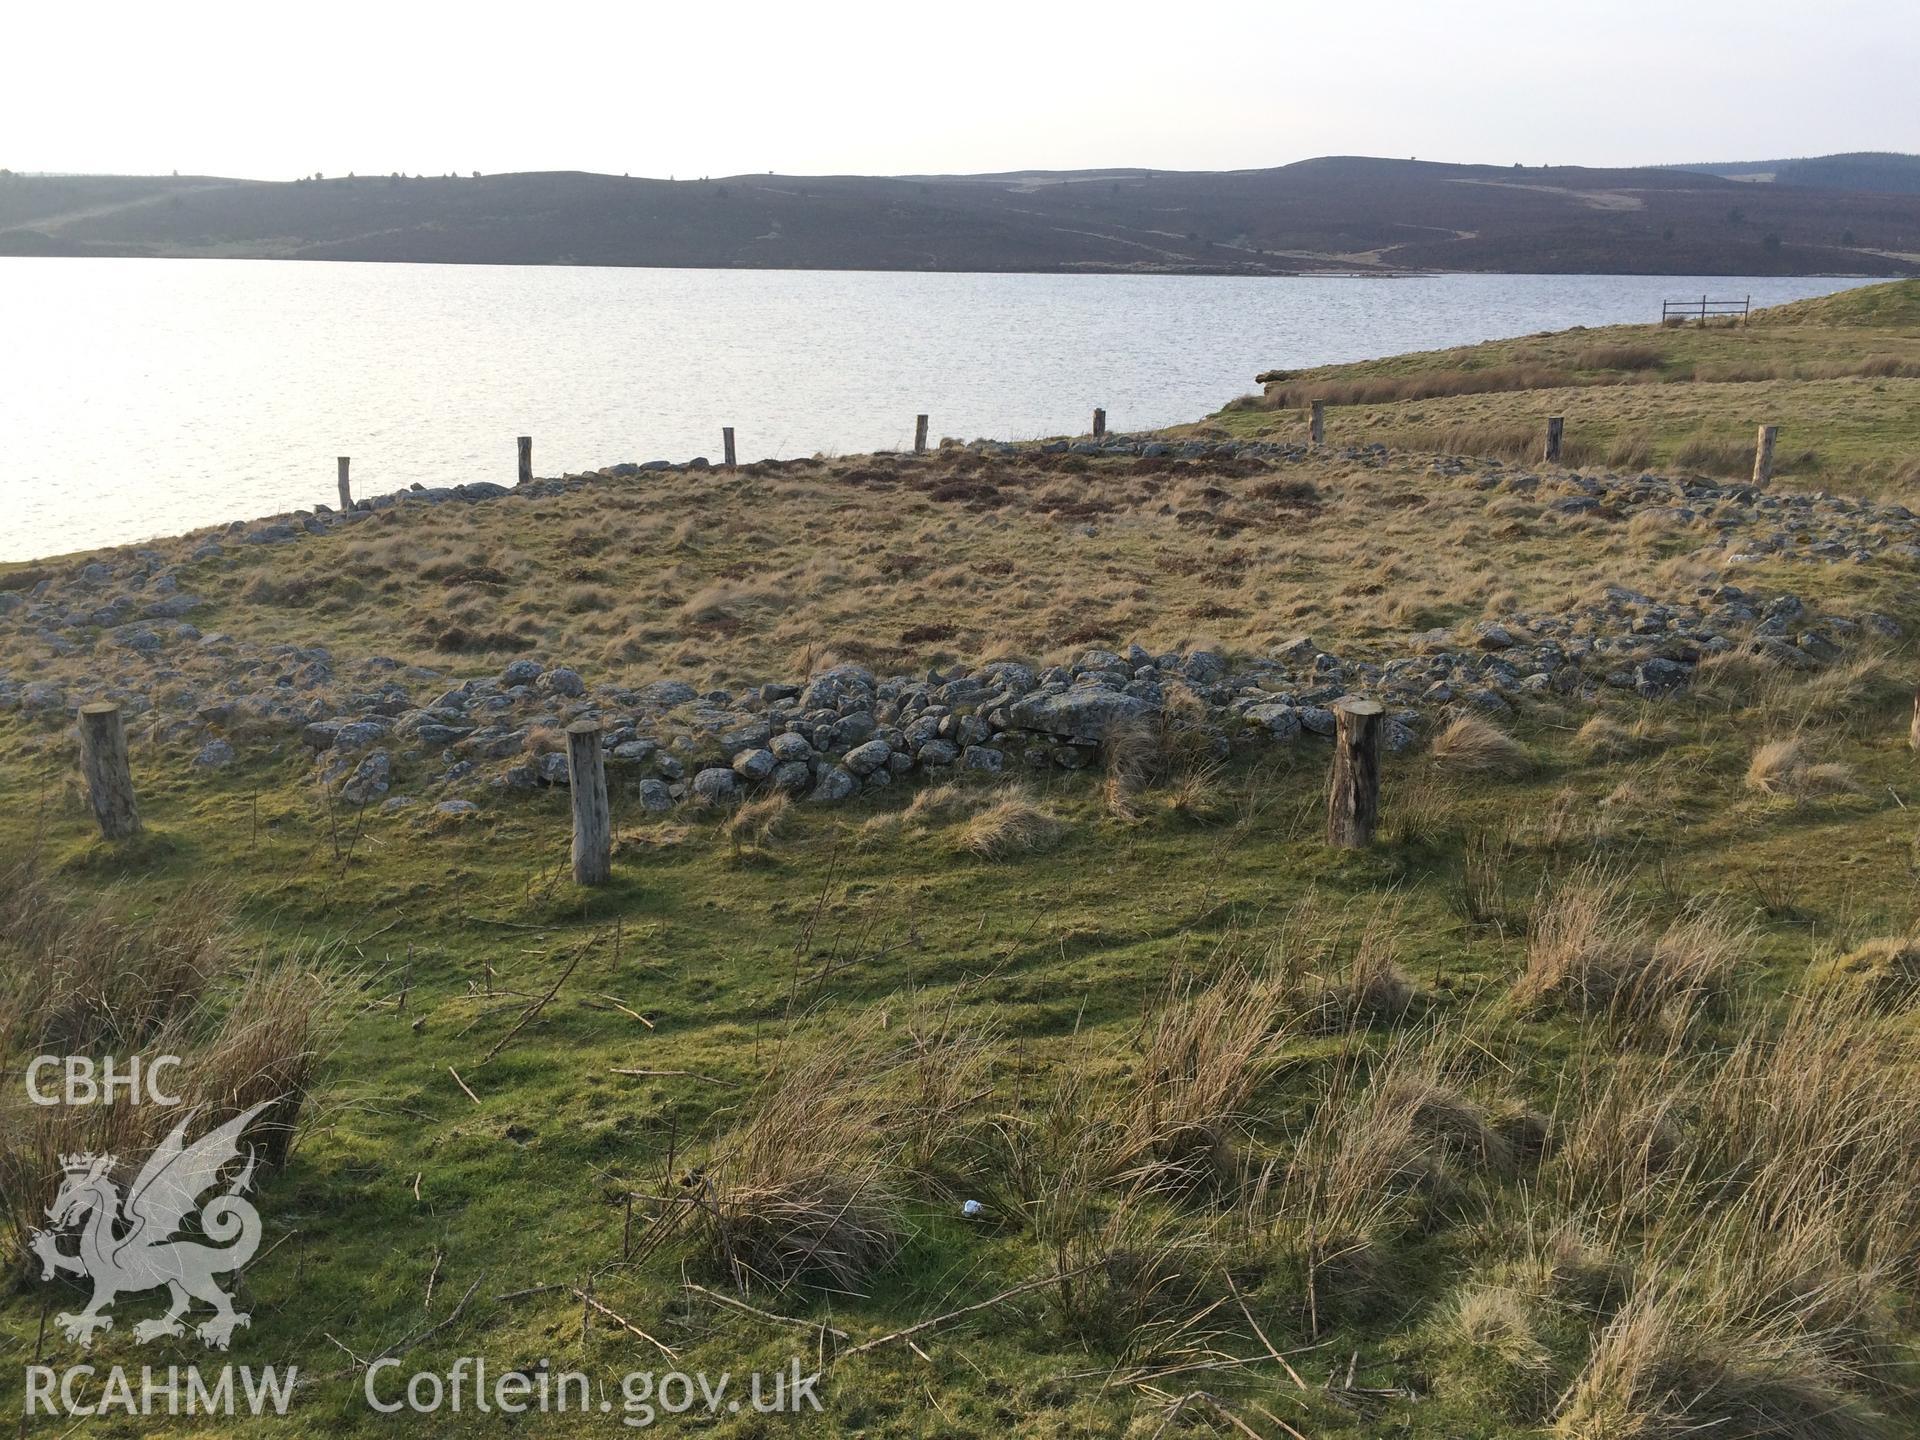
1839, 375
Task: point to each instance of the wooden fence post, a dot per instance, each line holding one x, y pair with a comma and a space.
1556, 429
1317, 425
1099, 424
526, 459
103, 758
592, 821
919, 434
346, 490
726, 441
1353, 797
1763, 454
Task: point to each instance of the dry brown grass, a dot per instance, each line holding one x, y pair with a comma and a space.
1607, 737
1786, 766
1887, 967
1593, 949
1242, 551
1206, 1053
803, 1190
1666, 1366
97, 978
758, 822
1473, 745
1013, 825
1373, 988
1390, 1141
1426, 385
1173, 749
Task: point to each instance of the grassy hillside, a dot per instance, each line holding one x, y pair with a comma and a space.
1579, 1102
1340, 213
1840, 376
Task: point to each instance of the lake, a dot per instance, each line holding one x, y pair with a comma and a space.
145, 397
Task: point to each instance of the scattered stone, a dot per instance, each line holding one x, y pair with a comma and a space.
214, 755
369, 780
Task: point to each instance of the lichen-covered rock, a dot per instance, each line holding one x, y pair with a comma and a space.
714, 786
792, 776
1657, 676
369, 780
863, 760
787, 748
836, 785
1281, 721
214, 755
753, 766
654, 796
1082, 712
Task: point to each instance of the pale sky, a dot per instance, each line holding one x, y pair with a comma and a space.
273, 91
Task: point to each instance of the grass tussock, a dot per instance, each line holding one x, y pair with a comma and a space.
758, 823
1015, 825
1592, 948
1204, 1055
1786, 766
1886, 967
1669, 1365
1473, 745
98, 977
1373, 988
1171, 749
804, 1189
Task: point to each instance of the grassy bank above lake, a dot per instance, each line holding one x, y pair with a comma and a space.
1579, 1102
1839, 375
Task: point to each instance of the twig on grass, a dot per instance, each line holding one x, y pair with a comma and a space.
986, 1304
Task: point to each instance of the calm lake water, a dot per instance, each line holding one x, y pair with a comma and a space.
145, 397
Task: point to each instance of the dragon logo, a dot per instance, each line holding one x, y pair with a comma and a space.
127, 1241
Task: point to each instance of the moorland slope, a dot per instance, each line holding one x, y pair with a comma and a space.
1338, 213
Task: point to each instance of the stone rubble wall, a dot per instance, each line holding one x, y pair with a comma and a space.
828, 736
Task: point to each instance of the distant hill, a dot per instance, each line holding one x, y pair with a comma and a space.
1884, 171
1341, 213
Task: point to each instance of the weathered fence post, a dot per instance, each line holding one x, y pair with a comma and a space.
1317, 425
726, 441
1099, 424
919, 434
1556, 429
103, 758
346, 490
526, 459
592, 822
1353, 797
1763, 454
